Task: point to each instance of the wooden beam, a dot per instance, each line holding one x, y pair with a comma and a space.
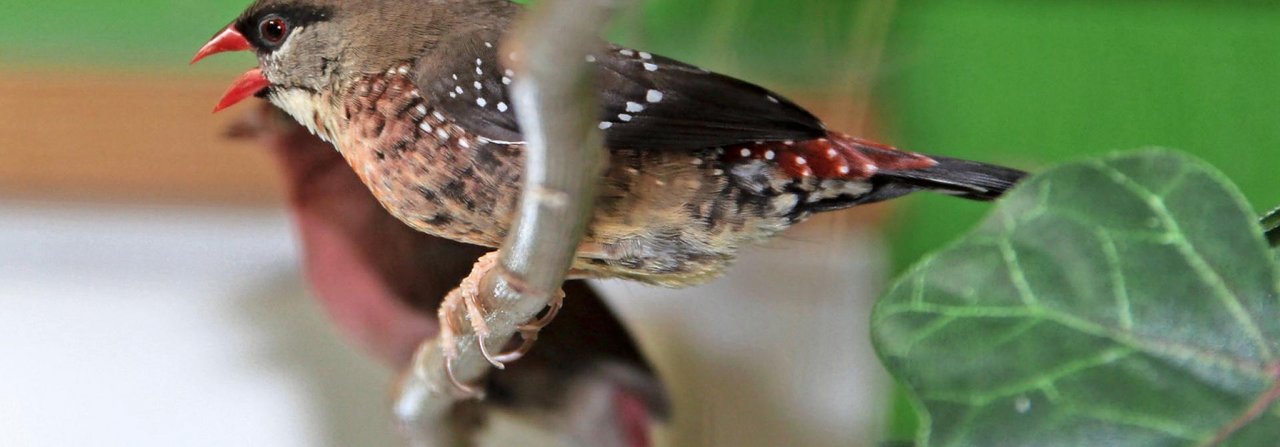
124, 137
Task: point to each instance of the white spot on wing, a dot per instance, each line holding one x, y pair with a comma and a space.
650, 67
481, 102
605, 125
502, 107
625, 117
634, 107
653, 96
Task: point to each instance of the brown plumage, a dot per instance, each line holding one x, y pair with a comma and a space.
414, 95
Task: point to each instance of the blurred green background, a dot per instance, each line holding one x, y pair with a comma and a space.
1014, 82
1024, 83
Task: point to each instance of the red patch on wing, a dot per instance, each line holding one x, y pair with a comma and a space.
838, 156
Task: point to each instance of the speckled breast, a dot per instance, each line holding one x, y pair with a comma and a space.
427, 171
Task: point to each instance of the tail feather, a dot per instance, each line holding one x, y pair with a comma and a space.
893, 172
968, 179
961, 178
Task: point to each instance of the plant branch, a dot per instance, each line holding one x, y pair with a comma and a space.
555, 101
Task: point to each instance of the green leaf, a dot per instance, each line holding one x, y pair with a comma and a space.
1130, 300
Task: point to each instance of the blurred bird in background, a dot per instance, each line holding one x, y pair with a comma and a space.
382, 282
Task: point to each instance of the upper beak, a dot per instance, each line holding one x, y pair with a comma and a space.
228, 39
249, 83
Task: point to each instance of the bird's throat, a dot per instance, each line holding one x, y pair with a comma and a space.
308, 108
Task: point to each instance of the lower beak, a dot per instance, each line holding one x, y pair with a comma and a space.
249, 83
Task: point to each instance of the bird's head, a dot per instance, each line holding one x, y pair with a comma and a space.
309, 46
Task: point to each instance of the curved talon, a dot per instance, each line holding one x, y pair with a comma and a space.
467, 390
484, 350
553, 309
528, 336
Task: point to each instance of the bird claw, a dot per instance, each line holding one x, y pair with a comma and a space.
467, 391
529, 332
528, 335
553, 308
495, 360
448, 342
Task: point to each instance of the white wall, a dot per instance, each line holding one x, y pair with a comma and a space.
139, 326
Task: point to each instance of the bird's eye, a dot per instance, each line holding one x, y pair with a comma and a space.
273, 30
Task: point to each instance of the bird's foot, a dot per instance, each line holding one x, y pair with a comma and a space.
468, 297
529, 332
450, 327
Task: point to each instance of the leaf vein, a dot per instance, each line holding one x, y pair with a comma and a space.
1017, 275
1033, 383
1141, 342
1118, 288
1201, 266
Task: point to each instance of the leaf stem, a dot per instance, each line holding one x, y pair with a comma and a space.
1271, 226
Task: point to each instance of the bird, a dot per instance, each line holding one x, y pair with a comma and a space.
416, 97
381, 282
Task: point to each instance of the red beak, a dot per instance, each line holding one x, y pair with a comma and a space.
249, 83
227, 40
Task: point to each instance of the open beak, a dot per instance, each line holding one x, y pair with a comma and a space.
249, 83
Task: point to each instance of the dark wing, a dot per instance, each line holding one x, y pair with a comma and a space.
654, 102
649, 102
464, 81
